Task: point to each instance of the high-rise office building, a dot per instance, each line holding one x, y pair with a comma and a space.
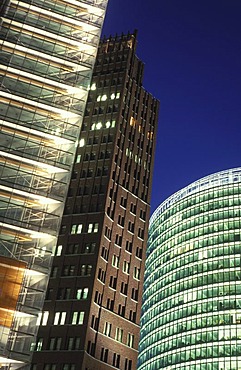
48, 50
191, 314
94, 294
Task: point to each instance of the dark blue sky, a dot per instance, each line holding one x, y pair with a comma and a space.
192, 55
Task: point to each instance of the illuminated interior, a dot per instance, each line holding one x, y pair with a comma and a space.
191, 313
48, 51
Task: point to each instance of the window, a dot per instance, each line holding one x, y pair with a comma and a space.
142, 214
126, 267
116, 360
110, 304
130, 340
58, 250
85, 270
55, 344
131, 227
76, 229
136, 273
93, 86
78, 158
132, 316
134, 294
82, 293
64, 293
98, 297
72, 249
121, 220
129, 245
123, 202
139, 252
39, 344
115, 261
105, 253
141, 233
124, 288
102, 97
42, 318
119, 334
121, 310
69, 367
133, 208
50, 367
108, 232
107, 329
81, 143
101, 275
104, 354
89, 248
118, 240
54, 271
59, 318
128, 364
113, 282
78, 318
68, 270
93, 228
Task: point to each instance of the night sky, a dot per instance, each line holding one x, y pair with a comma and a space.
192, 55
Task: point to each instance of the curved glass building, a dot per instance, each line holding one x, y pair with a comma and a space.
191, 314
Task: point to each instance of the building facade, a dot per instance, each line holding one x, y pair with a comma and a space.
191, 314
94, 294
48, 50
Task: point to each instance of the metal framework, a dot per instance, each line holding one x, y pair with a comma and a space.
48, 50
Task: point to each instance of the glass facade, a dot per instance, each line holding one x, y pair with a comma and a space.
48, 50
191, 313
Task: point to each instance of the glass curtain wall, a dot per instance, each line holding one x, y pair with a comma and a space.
191, 313
47, 53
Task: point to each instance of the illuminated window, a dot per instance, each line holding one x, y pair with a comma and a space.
98, 125
78, 158
136, 273
58, 250
93, 227
45, 318
76, 229
39, 344
126, 267
104, 98
78, 318
81, 143
115, 261
59, 318
93, 87
108, 124
133, 121
82, 293
112, 96
42, 318
119, 334
89, 248
107, 329
85, 270
130, 340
